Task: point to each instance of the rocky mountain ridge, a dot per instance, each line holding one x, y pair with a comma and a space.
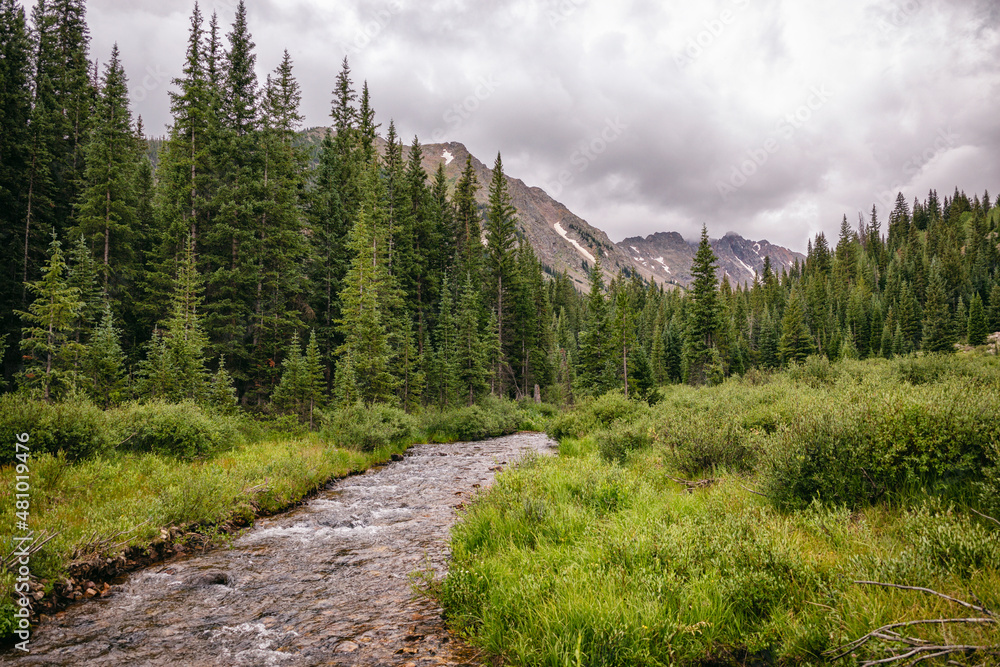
563, 241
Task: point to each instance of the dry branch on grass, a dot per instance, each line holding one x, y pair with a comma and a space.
10, 561
690, 485
914, 650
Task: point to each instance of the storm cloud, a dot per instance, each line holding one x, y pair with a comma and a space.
770, 118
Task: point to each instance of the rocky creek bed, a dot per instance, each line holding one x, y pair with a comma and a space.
327, 583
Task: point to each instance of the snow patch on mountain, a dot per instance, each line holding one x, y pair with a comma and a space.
448, 157
562, 232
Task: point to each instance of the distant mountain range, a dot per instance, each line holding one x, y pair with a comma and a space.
563, 241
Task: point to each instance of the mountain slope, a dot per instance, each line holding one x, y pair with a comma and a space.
563, 241
668, 256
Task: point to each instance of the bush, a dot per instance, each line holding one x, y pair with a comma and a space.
77, 428
615, 443
883, 437
816, 371
594, 414
366, 428
493, 417
182, 430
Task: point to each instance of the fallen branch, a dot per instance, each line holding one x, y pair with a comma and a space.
691, 485
963, 603
916, 650
10, 561
752, 491
986, 516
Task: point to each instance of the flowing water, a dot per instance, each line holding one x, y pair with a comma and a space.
324, 584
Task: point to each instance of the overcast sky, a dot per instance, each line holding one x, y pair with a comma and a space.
769, 118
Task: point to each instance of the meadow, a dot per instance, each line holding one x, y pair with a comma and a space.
794, 518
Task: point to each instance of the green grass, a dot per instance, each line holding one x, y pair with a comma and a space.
598, 557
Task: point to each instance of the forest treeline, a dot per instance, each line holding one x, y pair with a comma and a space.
248, 268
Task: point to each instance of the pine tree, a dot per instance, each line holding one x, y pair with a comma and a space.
994, 314
500, 238
938, 333
174, 368
445, 376
105, 363
221, 392
593, 373
15, 143
796, 342
106, 215
471, 350
46, 339
704, 321
977, 329
468, 231
364, 372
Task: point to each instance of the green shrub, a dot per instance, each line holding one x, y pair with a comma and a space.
366, 429
77, 428
881, 437
816, 371
594, 414
616, 442
493, 417
183, 430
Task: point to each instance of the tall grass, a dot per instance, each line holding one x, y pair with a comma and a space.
601, 557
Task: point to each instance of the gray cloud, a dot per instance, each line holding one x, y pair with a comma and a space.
696, 90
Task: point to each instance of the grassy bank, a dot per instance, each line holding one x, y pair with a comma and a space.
801, 484
121, 497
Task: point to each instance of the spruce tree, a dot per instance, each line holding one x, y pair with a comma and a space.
445, 374
174, 368
15, 142
106, 215
185, 163
282, 249
977, 329
993, 323
471, 347
364, 371
293, 391
230, 254
500, 239
593, 371
221, 392
796, 342
104, 363
624, 335
63, 103
704, 312
46, 340
468, 230
938, 333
